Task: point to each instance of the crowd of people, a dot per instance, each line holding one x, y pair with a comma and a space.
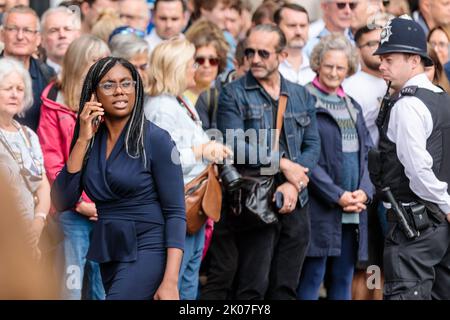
110, 108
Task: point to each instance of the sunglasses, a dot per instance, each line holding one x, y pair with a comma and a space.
342, 5
202, 60
249, 53
126, 30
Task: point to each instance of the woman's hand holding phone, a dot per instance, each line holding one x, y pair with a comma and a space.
90, 118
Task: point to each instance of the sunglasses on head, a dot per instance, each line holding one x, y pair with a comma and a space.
342, 5
126, 30
249, 53
212, 61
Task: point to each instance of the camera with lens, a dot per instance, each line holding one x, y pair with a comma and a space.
231, 178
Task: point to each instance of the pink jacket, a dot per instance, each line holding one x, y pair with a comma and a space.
55, 132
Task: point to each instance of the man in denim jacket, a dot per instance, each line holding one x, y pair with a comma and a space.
270, 256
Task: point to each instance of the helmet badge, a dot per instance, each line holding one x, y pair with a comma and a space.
386, 33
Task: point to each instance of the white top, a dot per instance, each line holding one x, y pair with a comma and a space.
410, 125
153, 40
315, 28
27, 151
166, 112
303, 76
368, 91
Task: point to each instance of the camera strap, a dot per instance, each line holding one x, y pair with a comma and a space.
282, 102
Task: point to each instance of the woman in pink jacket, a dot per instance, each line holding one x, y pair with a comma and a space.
60, 102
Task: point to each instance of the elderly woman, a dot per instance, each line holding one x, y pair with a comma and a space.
60, 104
340, 185
134, 49
20, 152
172, 69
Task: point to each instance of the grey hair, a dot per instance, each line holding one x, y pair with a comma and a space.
61, 10
127, 46
335, 41
10, 65
24, 10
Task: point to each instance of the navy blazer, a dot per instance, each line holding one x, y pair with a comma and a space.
126, 192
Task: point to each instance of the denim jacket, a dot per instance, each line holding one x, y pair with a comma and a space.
244, 104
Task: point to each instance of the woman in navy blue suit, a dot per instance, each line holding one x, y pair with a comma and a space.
130, 168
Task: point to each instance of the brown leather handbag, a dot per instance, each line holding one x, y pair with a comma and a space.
203, 198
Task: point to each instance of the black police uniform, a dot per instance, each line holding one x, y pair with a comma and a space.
414, 267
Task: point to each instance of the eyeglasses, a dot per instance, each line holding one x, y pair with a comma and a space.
126, 30
342, 5
249, 53
108, 88
440, 45
212, 61
370, 44
26, 31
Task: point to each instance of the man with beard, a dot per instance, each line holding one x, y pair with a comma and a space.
270, 256
293, 20
367, 86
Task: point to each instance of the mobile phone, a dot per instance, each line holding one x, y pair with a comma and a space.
97, 120
279, 200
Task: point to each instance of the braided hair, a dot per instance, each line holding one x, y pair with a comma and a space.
134, 137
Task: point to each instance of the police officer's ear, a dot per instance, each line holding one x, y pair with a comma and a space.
416, 61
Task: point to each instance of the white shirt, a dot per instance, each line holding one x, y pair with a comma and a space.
368, 91
303, 76
167, 113
153, 40
410, 125
315, 28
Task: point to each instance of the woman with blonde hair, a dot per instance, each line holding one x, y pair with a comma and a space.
171, 72
60, 104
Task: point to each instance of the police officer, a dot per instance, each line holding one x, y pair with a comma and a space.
415, 163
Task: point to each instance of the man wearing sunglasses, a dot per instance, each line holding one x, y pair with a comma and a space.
414, 163
337, 17
250, 104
